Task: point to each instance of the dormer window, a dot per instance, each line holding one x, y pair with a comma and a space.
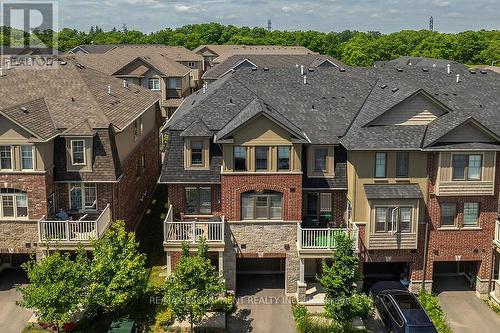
320, 155
6, 157
78, 152
191, 64
154, 83
197, 153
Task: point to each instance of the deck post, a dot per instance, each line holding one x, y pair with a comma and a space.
301, 270
221, 263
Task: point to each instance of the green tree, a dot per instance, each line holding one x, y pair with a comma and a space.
117, 271
193, 286
343, 302
57, 287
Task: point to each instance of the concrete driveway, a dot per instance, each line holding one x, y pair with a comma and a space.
262, 306
464, 311
12, 317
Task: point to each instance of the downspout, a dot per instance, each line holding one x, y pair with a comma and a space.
490, 283
426, 246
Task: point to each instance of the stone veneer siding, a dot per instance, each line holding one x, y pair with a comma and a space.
470, 245
21, 236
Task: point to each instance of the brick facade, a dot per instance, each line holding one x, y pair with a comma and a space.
21, 236
177, 198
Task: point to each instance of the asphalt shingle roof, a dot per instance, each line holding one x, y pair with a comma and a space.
393, 191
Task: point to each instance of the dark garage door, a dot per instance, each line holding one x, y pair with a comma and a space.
383, 271
260, 266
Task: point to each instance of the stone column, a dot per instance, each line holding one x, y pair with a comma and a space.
169, 263
221, 263
301, 291
301, 270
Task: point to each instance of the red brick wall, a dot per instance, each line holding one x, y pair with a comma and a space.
177, 198
470, 245
339, 206
233, 186
135, 192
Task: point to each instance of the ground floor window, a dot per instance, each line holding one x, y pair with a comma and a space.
448, 214
13, 204
471, 214
83, 196
393, 219
261, 206
198, 200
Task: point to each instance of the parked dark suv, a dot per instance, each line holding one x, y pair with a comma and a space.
399, 309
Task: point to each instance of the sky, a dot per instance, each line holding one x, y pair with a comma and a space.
323, 15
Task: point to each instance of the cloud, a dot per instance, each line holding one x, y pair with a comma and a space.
441, 3
181, 8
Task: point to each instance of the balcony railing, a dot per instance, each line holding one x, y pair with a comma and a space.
324, 238
192, 231
497, 233
80, 231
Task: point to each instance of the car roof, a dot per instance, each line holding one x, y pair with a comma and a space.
411, 309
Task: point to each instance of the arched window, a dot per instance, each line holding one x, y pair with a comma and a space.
265, 205
13, 204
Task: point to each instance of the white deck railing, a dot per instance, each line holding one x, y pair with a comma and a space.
323, 238
192, 231
74, 231
497, 233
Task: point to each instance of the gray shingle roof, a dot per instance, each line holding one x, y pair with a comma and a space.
197, 129
422, 62
393, 191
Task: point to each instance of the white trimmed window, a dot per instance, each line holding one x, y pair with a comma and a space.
154, 83
467, 167
393, 219
265, 206
27, 157
83, 196
191, 64
78, 152
6, 157
198, 200
13, 204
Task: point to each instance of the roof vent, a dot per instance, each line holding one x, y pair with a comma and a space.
399, 70
305, 79
472, 71
458, 78
302, 70
254, 69
425, 69
63, 63
311, 70
395, 89
383, 86
483, 71
24, 109
342, 69
448, 68
125, 84
80, 66
205, 87
312, 107
266, 69
109, 89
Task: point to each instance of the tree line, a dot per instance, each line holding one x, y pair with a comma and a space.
352, 47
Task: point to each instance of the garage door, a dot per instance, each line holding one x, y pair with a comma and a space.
260, 266
383, 271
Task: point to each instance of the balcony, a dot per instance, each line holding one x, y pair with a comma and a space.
71, 233
175, 233
322, 240
496, 240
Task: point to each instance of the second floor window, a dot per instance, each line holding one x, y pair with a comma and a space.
27, 157
13, 204
261, 158
6, 157
83, 196
402, 164
380, 165
154, 83
471, 214
448, 214
265, 206
467, 167
393, 219
240, 158
320, 155
78, 152
283, 158
196, 153
191, 64
198, 200
174, 83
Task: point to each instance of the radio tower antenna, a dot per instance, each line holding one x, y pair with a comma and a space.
269, 25
431, 24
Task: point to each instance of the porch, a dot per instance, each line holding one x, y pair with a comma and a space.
323, 240
71, 233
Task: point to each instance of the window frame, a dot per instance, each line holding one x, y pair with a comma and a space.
254, 196
376, 165
405, 162
315, 166
191, 64
466, 170
11, 148
202, 155
31, 149
83, 206
477, 215
73, 152
152, 83
243, 148
442, 217
15, 194
289, 150
257, 158
389, 211
199, 205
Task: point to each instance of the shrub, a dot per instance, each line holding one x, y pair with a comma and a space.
314, 323
362, 305
164, 318
224, 304
431, 305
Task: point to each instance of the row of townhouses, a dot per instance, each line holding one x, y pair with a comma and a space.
271, 152
269, 163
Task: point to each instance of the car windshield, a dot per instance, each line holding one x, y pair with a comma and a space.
407, 302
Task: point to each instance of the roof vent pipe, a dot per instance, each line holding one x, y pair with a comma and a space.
458, 78
301, 69
448, 68
1, 71
205, 88
109, 89
125, 84
305, 79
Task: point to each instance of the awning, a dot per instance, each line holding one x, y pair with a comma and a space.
393, 191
